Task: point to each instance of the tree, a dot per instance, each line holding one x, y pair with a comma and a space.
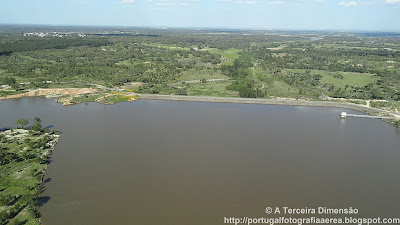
22, 122
15, 86
40, 82
37, 120
180, 91
37, 126
9, 81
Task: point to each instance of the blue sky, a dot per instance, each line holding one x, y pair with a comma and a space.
380, 15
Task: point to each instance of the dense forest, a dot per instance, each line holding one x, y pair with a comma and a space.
253, 64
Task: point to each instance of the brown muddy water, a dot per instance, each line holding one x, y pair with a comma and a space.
179, 163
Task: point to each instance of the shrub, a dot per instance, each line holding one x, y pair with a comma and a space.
180, 91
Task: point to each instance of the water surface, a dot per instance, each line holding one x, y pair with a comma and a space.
176, 163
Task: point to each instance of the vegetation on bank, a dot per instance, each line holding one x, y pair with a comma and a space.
395, 123
24, 155
101, 97
251, 64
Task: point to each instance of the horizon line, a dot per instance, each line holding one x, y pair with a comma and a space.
205, 28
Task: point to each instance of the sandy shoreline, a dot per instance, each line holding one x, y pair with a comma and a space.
52, 92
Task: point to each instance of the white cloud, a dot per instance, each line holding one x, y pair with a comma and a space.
293, 2
165, 3
128, 1
171, 2
347, 4
238, 2
392, 1
246, 2
276, 2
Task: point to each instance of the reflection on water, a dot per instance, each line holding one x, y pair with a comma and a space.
163, 162
342, 123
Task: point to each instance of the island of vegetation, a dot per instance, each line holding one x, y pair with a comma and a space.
24, 156
122, 64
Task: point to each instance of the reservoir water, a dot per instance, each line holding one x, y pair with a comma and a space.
175, 163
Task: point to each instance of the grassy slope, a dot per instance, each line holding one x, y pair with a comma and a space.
273, 85
230, 55
352, 79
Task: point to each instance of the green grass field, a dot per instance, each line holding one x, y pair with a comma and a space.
352, 79
230, 55
349, 78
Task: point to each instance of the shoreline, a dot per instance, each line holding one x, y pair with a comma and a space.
49, 93
72, 96
69, 93
259, 101
53, 143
